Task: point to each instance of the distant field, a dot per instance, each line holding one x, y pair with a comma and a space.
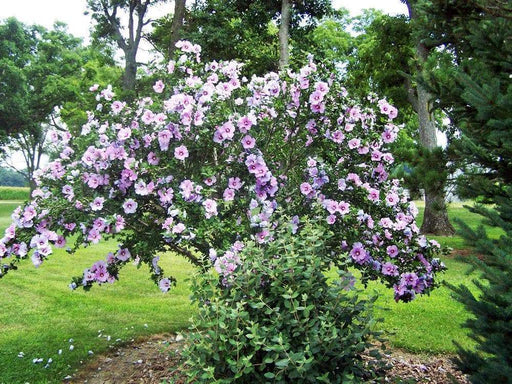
14, 193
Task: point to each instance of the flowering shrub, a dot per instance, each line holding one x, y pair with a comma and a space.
281, 320
202, 165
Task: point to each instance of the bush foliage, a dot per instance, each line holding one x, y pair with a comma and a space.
280, 320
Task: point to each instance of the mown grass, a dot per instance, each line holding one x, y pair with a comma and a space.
429, 324
40, 314
14, 193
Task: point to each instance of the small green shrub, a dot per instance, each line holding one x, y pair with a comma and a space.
14, 193
279, 319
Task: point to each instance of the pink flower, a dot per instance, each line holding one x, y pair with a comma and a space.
117, 107
164, 285
248, 142
306, 189
337, 136
388, 136
123, 254
391, 199
392, 250
245, 123
153, 158
97, 204
130, 206
148, 117
373, 195
164, 137
209, 181
228, 195
234, 183
343, 208
316, 97
124, 133
181, 152
178, 228
354, 143
211, 208
159, 86
389, 269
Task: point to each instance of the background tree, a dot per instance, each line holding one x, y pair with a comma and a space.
15, 45
244, 30
476, 88
108, 14
387, 60
42, 62
10, 178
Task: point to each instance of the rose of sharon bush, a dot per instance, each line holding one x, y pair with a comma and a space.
203, 164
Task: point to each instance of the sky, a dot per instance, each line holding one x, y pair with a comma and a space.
46, 12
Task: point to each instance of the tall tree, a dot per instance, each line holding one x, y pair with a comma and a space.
15, 45
477, 90
388, 59
284, 35
42, 62
108, 16
245, 30
178, 19
435, 219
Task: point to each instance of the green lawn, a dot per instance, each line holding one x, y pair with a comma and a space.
40, 314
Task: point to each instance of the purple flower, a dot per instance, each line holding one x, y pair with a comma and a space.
130, 206
209, 181
159, 86
211, 208
389, 269
123, 254
358, 253
94, 236
153, 158
234, 183
164, 284
248, 142
306, 189
229, 194
409, 279
392, 250
181, 152
97, 204
164, 137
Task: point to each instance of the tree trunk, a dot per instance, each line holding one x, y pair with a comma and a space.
177, 24
284, 51
435, 219
130, 70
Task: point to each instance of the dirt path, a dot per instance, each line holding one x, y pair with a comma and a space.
148, 361
157, 359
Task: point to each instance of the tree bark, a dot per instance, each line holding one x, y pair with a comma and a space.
435, 219
284, 27
130, 70
176, 24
